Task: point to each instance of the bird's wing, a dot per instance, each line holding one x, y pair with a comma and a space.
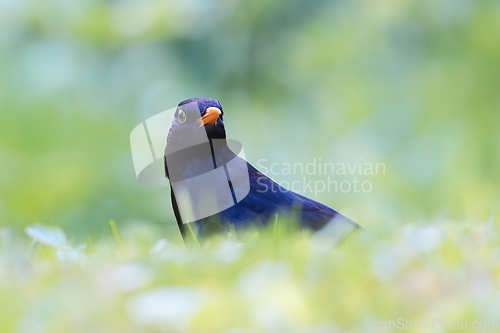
174, 204
264, 199
267, 198
316, 215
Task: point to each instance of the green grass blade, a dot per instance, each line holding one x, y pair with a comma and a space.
112, 224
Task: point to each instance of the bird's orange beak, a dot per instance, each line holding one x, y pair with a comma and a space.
210, 117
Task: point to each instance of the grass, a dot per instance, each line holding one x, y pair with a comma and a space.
269, 280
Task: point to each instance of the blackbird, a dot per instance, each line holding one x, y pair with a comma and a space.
214, 189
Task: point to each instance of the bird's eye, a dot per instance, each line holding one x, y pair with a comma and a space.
181, 116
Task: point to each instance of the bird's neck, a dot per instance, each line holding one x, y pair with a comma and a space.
199, 159
221, 152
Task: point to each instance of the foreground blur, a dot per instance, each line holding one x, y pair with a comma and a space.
271, 281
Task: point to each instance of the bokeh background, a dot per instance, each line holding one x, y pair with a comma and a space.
413, 84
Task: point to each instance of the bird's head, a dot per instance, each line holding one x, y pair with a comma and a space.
195, 121
193, 114
196, 130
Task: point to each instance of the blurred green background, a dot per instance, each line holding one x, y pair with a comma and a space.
412, 84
